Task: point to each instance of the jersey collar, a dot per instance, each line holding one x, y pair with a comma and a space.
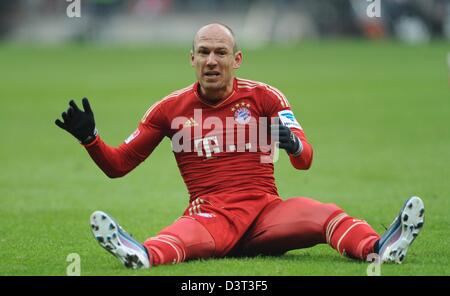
197, 94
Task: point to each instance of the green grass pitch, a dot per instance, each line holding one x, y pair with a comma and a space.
377, 114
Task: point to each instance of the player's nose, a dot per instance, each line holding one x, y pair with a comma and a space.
211, 60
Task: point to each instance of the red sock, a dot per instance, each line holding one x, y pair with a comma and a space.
350, 237
164, 249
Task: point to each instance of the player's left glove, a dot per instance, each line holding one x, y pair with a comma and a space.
288, 140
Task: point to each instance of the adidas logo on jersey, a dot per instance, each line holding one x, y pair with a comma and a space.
190, 122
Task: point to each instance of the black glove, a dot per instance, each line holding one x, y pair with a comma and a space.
80, 124
288, 140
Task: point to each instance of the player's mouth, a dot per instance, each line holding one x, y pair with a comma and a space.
211, 74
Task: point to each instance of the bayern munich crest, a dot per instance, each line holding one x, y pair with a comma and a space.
242, 114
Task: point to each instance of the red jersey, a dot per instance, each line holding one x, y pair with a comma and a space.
220, 148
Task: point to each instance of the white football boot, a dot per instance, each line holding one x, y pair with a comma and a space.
118, 242
394, 243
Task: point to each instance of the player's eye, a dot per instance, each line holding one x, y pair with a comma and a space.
203, 51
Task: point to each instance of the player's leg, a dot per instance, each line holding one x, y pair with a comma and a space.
302, 222
211, 227
185, 239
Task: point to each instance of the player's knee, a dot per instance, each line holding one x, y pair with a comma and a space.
307, 206
333, 208
330, 211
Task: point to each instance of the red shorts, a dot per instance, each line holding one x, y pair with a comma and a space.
250, 224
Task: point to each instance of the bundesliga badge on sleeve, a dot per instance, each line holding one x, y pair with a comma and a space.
287, 118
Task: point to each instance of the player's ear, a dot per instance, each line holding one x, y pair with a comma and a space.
237, 60
192, 57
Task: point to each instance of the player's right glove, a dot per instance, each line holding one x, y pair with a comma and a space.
78, 123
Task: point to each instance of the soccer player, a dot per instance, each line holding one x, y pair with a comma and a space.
222, 129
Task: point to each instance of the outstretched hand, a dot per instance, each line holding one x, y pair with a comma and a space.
78, 123
287, 139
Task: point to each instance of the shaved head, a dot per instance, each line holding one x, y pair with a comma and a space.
215, 58
215, 29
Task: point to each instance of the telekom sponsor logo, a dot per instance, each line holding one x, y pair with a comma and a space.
241, 133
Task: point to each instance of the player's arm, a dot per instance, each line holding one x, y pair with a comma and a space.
291, 135
113, 161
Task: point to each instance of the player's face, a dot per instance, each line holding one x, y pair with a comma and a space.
214, 61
